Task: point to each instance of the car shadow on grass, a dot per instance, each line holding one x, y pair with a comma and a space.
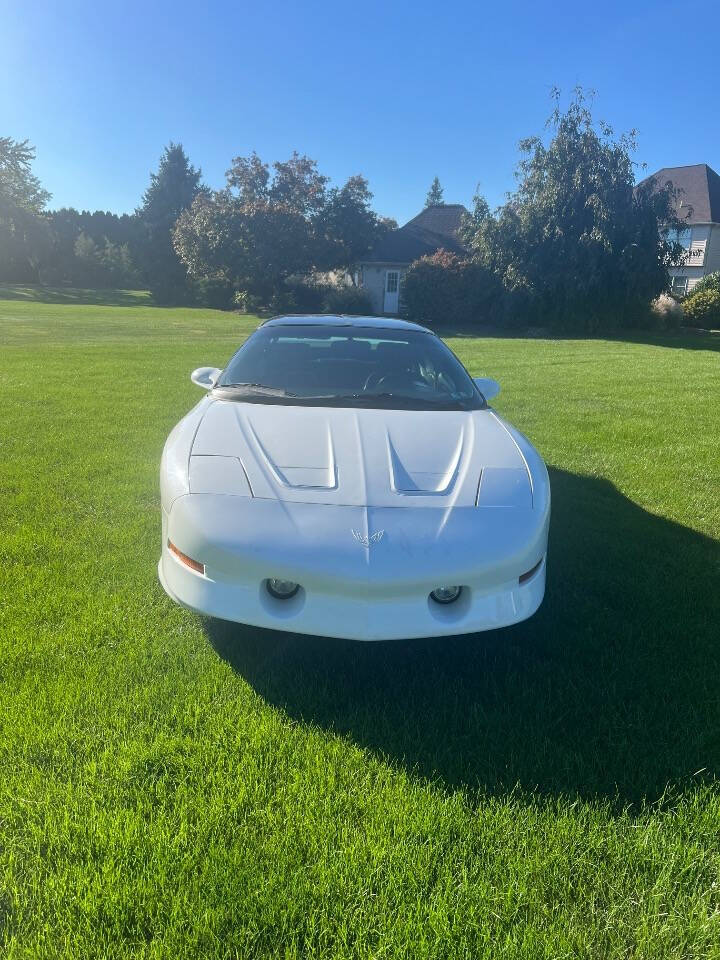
610, 691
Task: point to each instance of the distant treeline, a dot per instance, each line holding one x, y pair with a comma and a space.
93, 249
246, 243
97, 249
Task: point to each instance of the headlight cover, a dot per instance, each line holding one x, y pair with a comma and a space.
504, 487
225, 475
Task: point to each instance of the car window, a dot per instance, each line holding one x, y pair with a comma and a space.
353, 366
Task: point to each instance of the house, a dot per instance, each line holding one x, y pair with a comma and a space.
380, 273
698, 207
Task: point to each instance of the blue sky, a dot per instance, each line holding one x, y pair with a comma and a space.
396, 91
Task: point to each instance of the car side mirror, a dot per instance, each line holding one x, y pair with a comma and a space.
205, 377
488, 387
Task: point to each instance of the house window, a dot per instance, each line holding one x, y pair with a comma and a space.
392, 281
678, 285
683, 237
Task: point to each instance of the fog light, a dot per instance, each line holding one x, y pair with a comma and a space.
281, 589
446, 594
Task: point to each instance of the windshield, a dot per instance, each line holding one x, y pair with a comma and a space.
353, 366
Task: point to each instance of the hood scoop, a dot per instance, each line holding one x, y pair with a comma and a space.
309, 469
407, 480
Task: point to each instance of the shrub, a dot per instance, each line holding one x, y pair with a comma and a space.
282, 301
247, 302
218, 294
349, 300
702, 308
710, 282
307, 297
443, 288
665, 312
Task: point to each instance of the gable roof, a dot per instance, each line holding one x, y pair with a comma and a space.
699, 191
442, 218
434, 228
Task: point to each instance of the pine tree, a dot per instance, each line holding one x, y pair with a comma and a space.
435, 194
172, 189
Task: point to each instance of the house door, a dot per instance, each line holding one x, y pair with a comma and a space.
392, 291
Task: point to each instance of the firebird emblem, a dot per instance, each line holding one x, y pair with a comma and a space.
366, 541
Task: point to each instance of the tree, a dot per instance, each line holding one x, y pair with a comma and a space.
387, 224
297, 186
270, 224
435, 194
577, 245
250, 177
18, 185
24, 234
294, 185
347, 227
172, 190
118, 266
102, 265
117, 241
472, 224
86, 250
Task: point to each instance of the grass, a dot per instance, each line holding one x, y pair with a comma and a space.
180, 788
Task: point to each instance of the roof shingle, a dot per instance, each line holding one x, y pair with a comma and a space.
699, 191
434, 228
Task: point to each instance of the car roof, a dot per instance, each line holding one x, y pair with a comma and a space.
340, 320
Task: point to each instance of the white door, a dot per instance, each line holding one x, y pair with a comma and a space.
392, 291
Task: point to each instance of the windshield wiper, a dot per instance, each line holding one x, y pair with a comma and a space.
381, 398
360, 399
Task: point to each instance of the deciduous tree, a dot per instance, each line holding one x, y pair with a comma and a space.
347, 227
577, 245
270, 224
24, 233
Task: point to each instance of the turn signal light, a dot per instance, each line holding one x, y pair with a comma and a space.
524, 577
184, 558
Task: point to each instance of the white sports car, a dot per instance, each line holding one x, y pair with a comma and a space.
345, 476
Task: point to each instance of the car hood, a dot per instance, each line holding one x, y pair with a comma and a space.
372, 458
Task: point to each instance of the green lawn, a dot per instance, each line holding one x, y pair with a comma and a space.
178, 788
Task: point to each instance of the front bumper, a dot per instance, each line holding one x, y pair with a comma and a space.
379, 592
